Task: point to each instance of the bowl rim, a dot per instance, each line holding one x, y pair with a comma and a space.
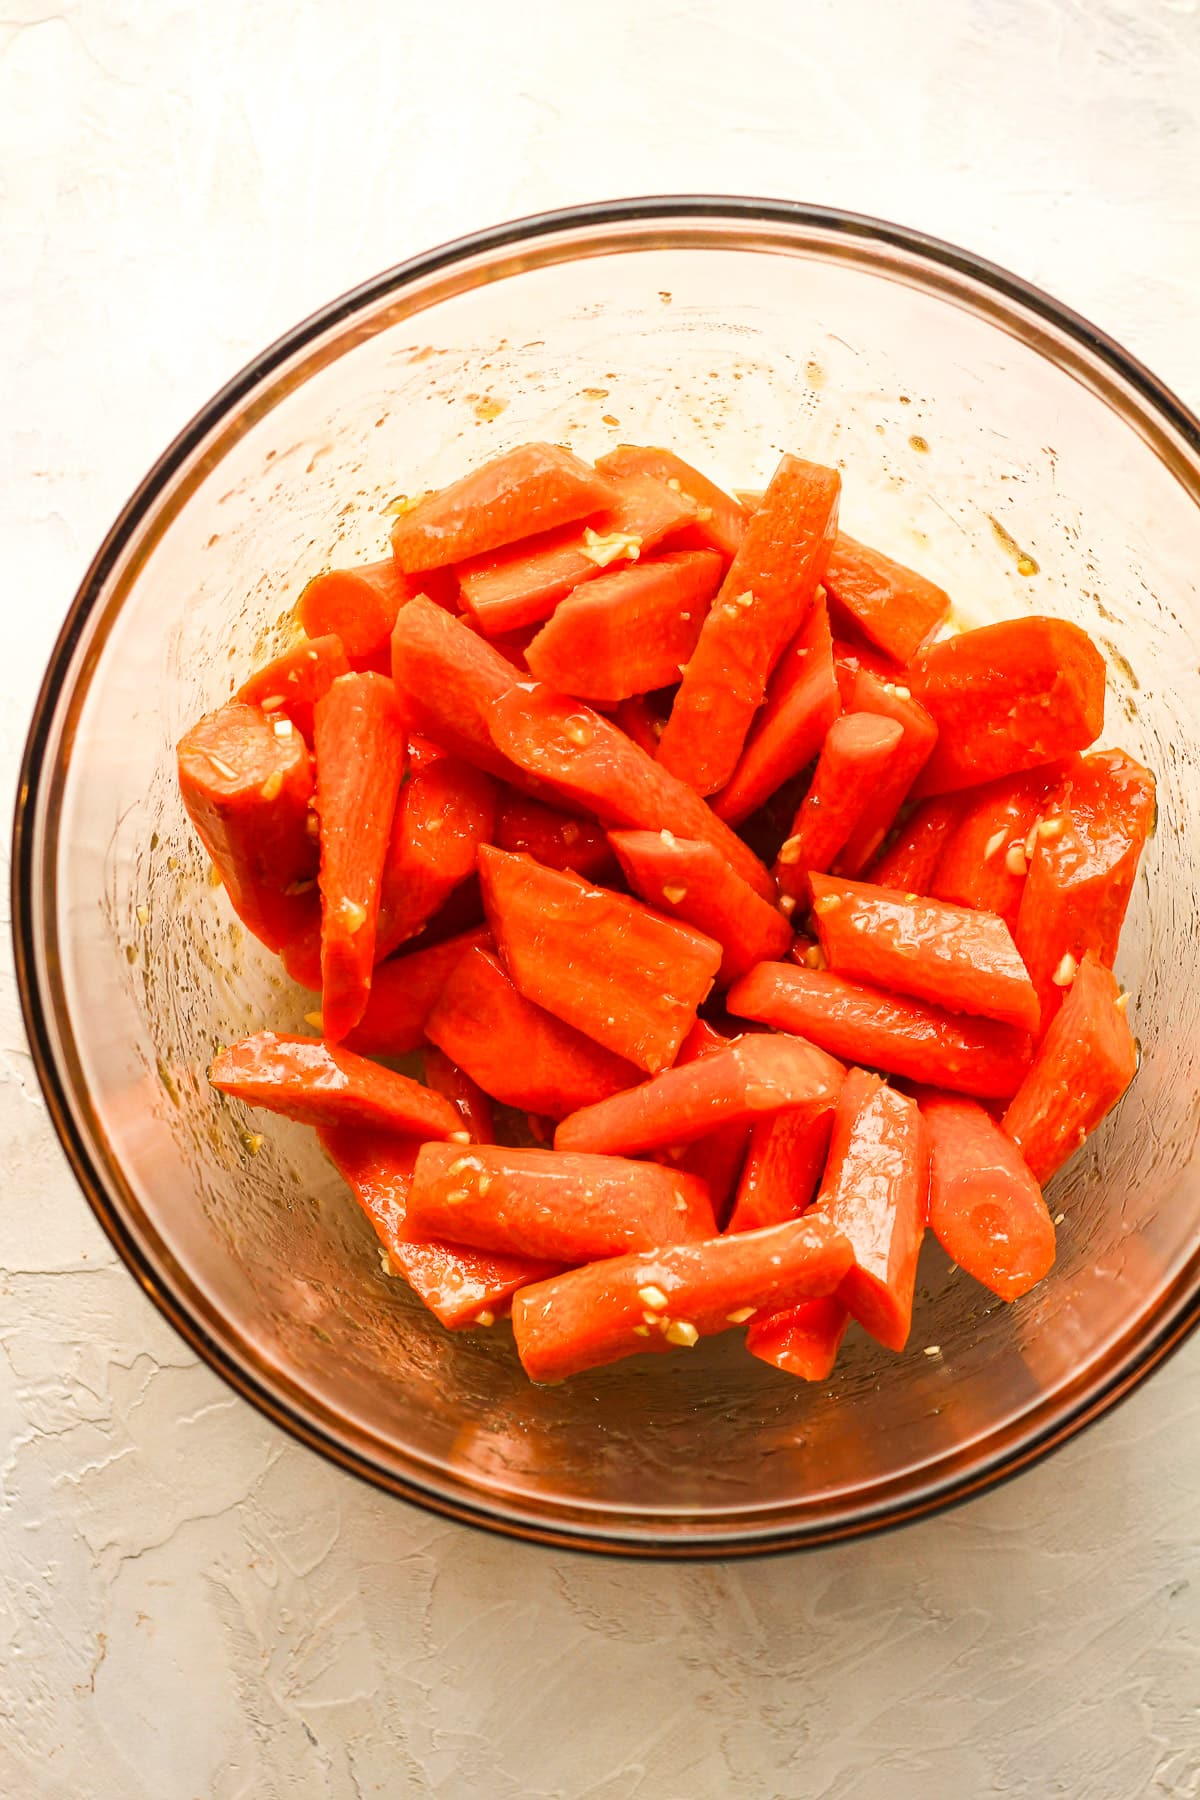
1125, 1370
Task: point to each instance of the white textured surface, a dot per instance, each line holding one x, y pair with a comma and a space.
191, 1607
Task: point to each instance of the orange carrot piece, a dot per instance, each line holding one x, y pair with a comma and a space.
718, 1156
291, 685
855, 757
473, 1106
783, 1166
804, 1341
403, 992
449, 677
639, 721
720, 520
690, 880
532, 488
985, 859
628, 632
865, 690
444, 812
358, 606
325, 1084
894, 607
985, 1208
911, 860
553, 838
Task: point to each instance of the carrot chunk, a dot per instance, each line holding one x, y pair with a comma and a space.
690, 880
985, 1208
866, 690
804, 1341
403, 992
449, 677
895, 608
554, 838
358, 606
986, 857
784, 1162
630, 632
720, 520
325, 1084
473, 1106
444, 812
914, 854
290, 686
529, 489
854, 759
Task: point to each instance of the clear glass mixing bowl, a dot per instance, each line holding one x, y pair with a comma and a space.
1005, 447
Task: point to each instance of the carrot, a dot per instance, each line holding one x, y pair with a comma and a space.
403, 991
1083, 1065
449, 677
754, 1076
720, 520
622, 975
532, 488
894, 607
905, 1037
865, 690
568, 1209
963, 960
662, 1298
985, 1208
358, 606
520, 1053
445, 811
763, 601
1007, 697
551, 837
629, 632
361, 753
804, 1341
718, 1156
985, 858
690, 880
855, 757
291, 684
466, 1096
783, 1166
802, 702
914, 853
324, 1084
246, 784
640, 722
460, 1287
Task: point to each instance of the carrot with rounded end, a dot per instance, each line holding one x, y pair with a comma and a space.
459, 1286
690, 880
887, 1031
569, 1209
532, 488
466, 1096
630, 631
324, 1084
1083, 1065
1007, 697
449, 677
804, 1341
246, 783
552, 838
624, 976
720, 520
755, 1075
291, 684
855, 757
963, 960
763, 601
359, 606
893, 607
911, 860
865, 690
783, 1166
444, 812
403, 992
985, 1208
986, 857
361, 754
518, 1052
672, 1297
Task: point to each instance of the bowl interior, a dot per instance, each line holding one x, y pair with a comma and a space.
981, 440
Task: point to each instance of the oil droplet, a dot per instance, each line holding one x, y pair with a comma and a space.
489, 408
131, 954
1025, 563
920, 444
594, 393
814, 373
665, 296
607, 419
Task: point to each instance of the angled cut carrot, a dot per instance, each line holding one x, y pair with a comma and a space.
628, 632
894, 607
865, 690
986, 857
246, 783
720, 520
449, 677
324, 1084
672, 1297
358, 606
855, 757
763, 601
784, 1161
531, 488
690, 880
291, 684
404, 989
473, 1106
444, 812
985, 1208
963, 960
887, 1031
804, 1341
1083, 1065
911, 859
551, 837
360, 752
567, 1209
719, 1155
622, 975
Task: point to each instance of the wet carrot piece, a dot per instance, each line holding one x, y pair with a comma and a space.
624, 976
539, 1203
358, 606
403, 992
963, 960
755, 1075
783, 1166
660, 1298
532, 488
763, 602
325, 1084
690, 880
906, 1037
912, 858
457, 1285
466, 1096
449, 677
553, 838
1083, 1065
854, 759
246, 784
718, 1156
894, 607
720, 520
639, 721
801, 704
865, 690
444, 812
804, 1341
628, 632
1007, 697
291, 685
985, 1208
360, 752
518, 1052
985, 859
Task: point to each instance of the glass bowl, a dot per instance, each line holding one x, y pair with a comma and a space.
986, 434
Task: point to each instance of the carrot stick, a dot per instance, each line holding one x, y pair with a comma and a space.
855, 756
325, 1084
690, 880
532, 488
985, 1208
628, 632
893, 607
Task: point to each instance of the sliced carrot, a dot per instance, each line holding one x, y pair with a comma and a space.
893, 607
755, 1075
865, 690
963, 960
985, 858
246, 783
720, 520
445, 811
801, 704
360, 752
568, 1209
590, 762
690, 880
552, 837
466, 1096
855, 757
624, 976
325, 1084
449, 677
804, 1341
914, 853
290, 686
985, 1208
358, 606
783, 1166
403, 992
719, 1155
520, 1053
639, 721
628, 632
1083, 1065
532, 488
460, 1287
1007, 697
763, 602
905, 1037
663, 1298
